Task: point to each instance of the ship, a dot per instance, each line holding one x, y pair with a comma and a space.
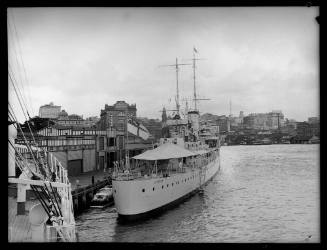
51, 218
35, 171
181, 163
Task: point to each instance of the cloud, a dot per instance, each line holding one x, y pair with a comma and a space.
84, 58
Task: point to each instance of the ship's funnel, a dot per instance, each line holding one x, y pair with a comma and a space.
193, 117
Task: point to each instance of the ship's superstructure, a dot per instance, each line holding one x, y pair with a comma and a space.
180, 164
51, 219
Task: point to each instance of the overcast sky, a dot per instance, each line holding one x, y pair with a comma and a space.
261, 59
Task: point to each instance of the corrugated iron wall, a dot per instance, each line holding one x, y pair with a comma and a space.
89, 160
88, 156
75, 155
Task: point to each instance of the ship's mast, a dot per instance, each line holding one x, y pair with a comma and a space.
176, 65
194, 80
194, 87
230, 107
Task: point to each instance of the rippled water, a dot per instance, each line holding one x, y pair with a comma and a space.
267, 193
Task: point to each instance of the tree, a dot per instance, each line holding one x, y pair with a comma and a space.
37, 123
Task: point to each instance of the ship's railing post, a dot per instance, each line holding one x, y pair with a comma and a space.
21, 198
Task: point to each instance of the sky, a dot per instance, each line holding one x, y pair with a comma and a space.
258, 59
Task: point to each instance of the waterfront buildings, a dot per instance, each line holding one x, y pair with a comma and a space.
224, 123
313, 120
49, 111
264, 121
94, 143
70, 121
128, 137
79, 150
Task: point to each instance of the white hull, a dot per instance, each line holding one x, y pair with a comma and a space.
130, 199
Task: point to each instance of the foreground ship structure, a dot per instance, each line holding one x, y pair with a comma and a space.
181, 163
51, 218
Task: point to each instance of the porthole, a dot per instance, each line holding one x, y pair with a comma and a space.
143, 190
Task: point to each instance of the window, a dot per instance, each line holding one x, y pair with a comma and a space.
153, 189
111, 142
172, 184
101, 143
143, 190
167, 185
162, 186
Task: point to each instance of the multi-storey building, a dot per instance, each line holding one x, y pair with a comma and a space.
313, 120
49, 111
116, 117
264, 121
76, 121
71, 121
275, 119
305, 129
223, 123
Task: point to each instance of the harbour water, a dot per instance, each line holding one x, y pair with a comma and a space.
266, 193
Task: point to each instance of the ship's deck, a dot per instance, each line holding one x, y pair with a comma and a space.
130, 177
19, 226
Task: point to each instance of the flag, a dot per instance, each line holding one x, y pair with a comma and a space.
195, 50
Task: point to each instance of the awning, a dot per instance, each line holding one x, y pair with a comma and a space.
200, 152
136, 146
164, 152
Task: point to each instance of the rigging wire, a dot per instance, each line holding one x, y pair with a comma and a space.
22, 160
12, 81
18, 67
25, 140
19, 94
22, 61
53, 200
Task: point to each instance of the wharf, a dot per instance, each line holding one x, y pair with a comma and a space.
85, 179
83, 191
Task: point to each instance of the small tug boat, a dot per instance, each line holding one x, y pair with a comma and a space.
103, 198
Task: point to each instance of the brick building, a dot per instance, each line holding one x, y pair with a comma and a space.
116, 118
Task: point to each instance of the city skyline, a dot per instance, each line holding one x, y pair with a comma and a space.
262, 59
235, 115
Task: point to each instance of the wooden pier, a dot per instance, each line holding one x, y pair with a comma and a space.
82, 196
